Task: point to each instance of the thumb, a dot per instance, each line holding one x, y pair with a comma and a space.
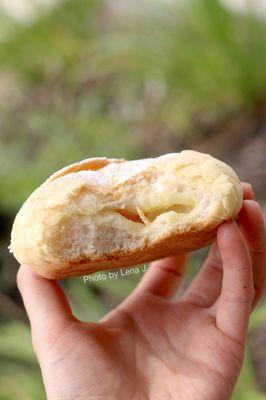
46, 305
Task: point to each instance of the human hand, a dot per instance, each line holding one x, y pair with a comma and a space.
150, 346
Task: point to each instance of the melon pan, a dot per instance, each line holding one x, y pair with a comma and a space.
107, 213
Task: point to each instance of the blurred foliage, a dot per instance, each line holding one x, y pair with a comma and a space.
84, 81
18, 361
81, 82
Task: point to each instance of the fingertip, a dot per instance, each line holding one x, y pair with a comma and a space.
251, 206
22, 276
252, 224
248, 192
229, 238
25, 276
251, 216
44, 300
226, 228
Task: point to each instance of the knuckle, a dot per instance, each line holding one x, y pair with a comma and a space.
254, 203
197, 298
244, 295
216, 265
43, 340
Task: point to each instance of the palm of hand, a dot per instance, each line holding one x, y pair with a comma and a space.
150, 347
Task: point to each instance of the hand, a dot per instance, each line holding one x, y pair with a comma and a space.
151, 347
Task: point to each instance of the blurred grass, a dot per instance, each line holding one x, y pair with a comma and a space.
19, 372
246, 386
82, 82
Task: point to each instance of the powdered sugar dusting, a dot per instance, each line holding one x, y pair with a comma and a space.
115, 173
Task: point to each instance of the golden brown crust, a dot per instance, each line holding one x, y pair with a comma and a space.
167, 246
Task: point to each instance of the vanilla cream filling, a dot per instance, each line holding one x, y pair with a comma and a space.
172, 201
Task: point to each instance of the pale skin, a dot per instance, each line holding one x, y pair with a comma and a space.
153, 346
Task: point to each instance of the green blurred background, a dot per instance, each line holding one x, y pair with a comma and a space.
131, 79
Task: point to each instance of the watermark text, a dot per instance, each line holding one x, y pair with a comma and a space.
115, 274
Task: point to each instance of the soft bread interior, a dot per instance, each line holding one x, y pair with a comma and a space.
84, 214
176, 198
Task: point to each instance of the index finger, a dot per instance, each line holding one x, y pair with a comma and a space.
237, 295
163, 277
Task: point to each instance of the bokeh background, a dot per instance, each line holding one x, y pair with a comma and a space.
131, 79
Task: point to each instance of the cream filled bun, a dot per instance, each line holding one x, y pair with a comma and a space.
107, 213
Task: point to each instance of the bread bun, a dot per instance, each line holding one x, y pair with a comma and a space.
107, 213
